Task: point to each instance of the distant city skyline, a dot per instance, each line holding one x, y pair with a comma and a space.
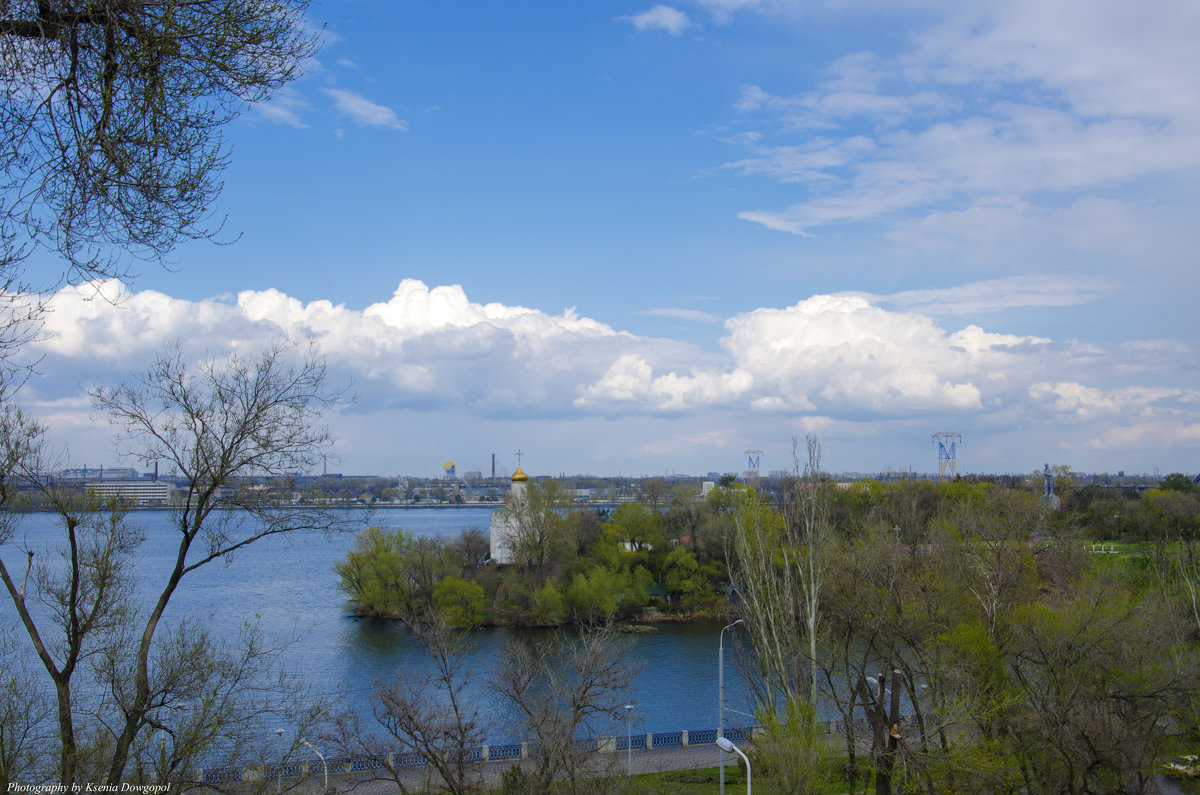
641, 238
114, 472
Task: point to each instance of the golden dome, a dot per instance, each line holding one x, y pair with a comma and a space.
519, 476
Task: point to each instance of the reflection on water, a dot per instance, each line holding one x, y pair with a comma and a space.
289, 587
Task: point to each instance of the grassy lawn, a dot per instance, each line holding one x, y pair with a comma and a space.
701, 781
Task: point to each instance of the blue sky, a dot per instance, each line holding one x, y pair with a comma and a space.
637, 238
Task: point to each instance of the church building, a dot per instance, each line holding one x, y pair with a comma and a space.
504, 522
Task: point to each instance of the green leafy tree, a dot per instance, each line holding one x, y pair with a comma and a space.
601, 593
547, 604
542, 532
1177, 481
637, 526
1104, 514
1102, 671
459, 601
685, 576
391, 573
685, 512
592, 598
1177, 514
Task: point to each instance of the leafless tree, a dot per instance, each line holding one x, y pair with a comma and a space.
653, 492
768, 597
540, 531
564, 687
998, 527
472, 548
232, 430
423, 711
218, 700
23, 713
779, 563
806, 515
80, 597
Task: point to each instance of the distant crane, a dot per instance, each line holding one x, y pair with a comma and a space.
947, 453
752, 459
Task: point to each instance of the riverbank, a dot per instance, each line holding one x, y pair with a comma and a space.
646, 622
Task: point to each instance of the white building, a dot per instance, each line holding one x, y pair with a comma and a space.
503, 528
139, 492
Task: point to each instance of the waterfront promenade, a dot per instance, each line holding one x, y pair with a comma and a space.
598, 765
607, 757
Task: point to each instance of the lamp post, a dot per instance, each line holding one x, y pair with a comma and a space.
163, 762
721, 696
324, 766
728, 746
279, 768
629, 736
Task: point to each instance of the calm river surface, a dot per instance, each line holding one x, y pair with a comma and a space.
288, 586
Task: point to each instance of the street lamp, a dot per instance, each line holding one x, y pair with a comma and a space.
721, 696
162, 755
163, 767
725, 745
279, 768
629, 736
324, 766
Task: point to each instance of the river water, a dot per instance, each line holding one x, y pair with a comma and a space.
288, 586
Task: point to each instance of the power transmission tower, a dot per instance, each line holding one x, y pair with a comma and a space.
947, 453
752, 459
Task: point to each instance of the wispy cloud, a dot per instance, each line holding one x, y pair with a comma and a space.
683, 314
993, 295
659, 17
365, 112
284, 108
1002, 100
722, 10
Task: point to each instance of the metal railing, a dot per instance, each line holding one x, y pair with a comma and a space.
505, 752
480, 753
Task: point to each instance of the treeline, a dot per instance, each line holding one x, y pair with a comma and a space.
577, 564
574, 565
969, 636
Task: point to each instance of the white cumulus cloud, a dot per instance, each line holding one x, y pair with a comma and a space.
660, 17
846, 362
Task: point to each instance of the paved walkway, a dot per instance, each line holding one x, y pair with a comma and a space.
617, 763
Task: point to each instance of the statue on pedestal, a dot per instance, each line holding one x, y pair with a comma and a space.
1049, 498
